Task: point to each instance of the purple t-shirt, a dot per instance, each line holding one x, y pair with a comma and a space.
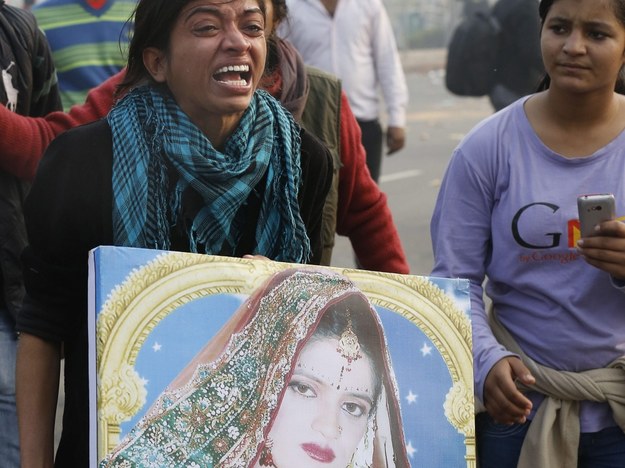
507, 210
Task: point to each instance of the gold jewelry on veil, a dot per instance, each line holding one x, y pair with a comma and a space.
266, 459
349, 347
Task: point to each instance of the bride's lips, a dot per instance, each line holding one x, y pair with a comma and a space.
316, 452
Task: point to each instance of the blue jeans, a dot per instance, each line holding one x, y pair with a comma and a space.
9, 440
603, 449
499, 445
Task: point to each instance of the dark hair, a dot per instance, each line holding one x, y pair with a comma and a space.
355, 310
280, 11
618, 6
273, 55
154, 22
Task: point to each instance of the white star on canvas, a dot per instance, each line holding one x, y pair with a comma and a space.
410, 449
144, 381
411, 397
157, 346
426, 350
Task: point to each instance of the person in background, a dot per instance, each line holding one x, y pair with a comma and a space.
549, 356
353, 40
355, 206
519, 63
193, 158
28, 87
470, 7
88, 40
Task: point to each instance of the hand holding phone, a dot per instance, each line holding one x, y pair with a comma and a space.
594, 209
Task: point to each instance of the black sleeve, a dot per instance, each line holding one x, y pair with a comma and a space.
45, 97
22, 42
316, 179
67, 213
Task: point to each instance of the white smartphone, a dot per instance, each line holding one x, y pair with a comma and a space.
594, 209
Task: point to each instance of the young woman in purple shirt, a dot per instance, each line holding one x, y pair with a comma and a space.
549, 339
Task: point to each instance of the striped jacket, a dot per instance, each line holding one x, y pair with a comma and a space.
89, 41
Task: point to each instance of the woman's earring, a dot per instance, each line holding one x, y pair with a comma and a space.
265, 456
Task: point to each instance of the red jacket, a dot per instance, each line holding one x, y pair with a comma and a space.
363, 212
24, 139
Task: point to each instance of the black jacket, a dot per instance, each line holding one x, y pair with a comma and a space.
69, 212
519, 61
28, 87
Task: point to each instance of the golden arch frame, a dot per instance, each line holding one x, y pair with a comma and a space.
173, 279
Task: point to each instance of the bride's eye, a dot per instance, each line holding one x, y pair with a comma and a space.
302, 389
354, 409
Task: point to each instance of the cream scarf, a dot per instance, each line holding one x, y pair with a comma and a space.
553, 437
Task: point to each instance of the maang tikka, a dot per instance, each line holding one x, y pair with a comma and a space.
349, 347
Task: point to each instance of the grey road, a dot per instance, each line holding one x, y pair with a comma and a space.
437, 120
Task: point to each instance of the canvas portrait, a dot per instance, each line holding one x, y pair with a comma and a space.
211, 361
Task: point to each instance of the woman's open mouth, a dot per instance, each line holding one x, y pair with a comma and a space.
233, 75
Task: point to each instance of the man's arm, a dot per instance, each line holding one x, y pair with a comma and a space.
363, 212
395, 139
23, 140
37, 384
392, 79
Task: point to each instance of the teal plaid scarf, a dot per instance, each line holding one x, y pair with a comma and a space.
153, 139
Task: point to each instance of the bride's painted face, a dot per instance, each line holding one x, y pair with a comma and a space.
325, 409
